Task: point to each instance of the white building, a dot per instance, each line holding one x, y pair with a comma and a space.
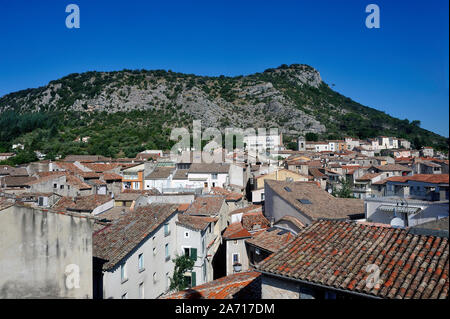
427, 151
208, 175
133, 256
387, 142
194, 233
351, 143
262, 143
409, 212
160, 178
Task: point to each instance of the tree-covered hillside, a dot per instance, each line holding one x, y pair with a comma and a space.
124, 112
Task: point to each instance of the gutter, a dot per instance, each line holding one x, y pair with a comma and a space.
308, 283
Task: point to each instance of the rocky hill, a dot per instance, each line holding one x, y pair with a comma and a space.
293, 98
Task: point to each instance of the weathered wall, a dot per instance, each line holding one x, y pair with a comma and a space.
236, 247
277, 207
274, 288
154, 263
36, 247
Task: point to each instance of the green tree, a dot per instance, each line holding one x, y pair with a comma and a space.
182, 265
345, 191
311, 137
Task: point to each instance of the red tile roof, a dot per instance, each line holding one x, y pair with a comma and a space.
235, 231
206, 205
228, 195
393, 168
223, 288
117, 240
183, 207
254, 221
294, 220
271, 239
336, 254
195, 222
82, 203
111, 177
368, 176
100, 168
426, 178
76, 182
251, 208
70, 167
321, 203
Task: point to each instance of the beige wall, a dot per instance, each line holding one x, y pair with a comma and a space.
36, 249
280, 175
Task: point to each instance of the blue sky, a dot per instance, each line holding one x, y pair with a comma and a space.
400, 68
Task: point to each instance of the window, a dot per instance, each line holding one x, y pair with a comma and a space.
167, 252
190, 252
141, 262
55, 186
186, 234
166, 230
214, 176
235, 258
190, 280
141, 290
61, 187
123, 272
154, 251
125, 296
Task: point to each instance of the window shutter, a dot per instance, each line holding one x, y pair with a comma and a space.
194, 279
194, 254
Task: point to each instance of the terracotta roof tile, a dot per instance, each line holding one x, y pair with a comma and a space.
223, 288
195, 222
247, 209
254, 221
209, 168
271, 239
321, 203
115, 241
235, 231
160, 173
228, 195
208, 205
336, 254
82, 203
426, 178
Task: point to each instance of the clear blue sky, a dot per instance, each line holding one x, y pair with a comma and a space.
401, 68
